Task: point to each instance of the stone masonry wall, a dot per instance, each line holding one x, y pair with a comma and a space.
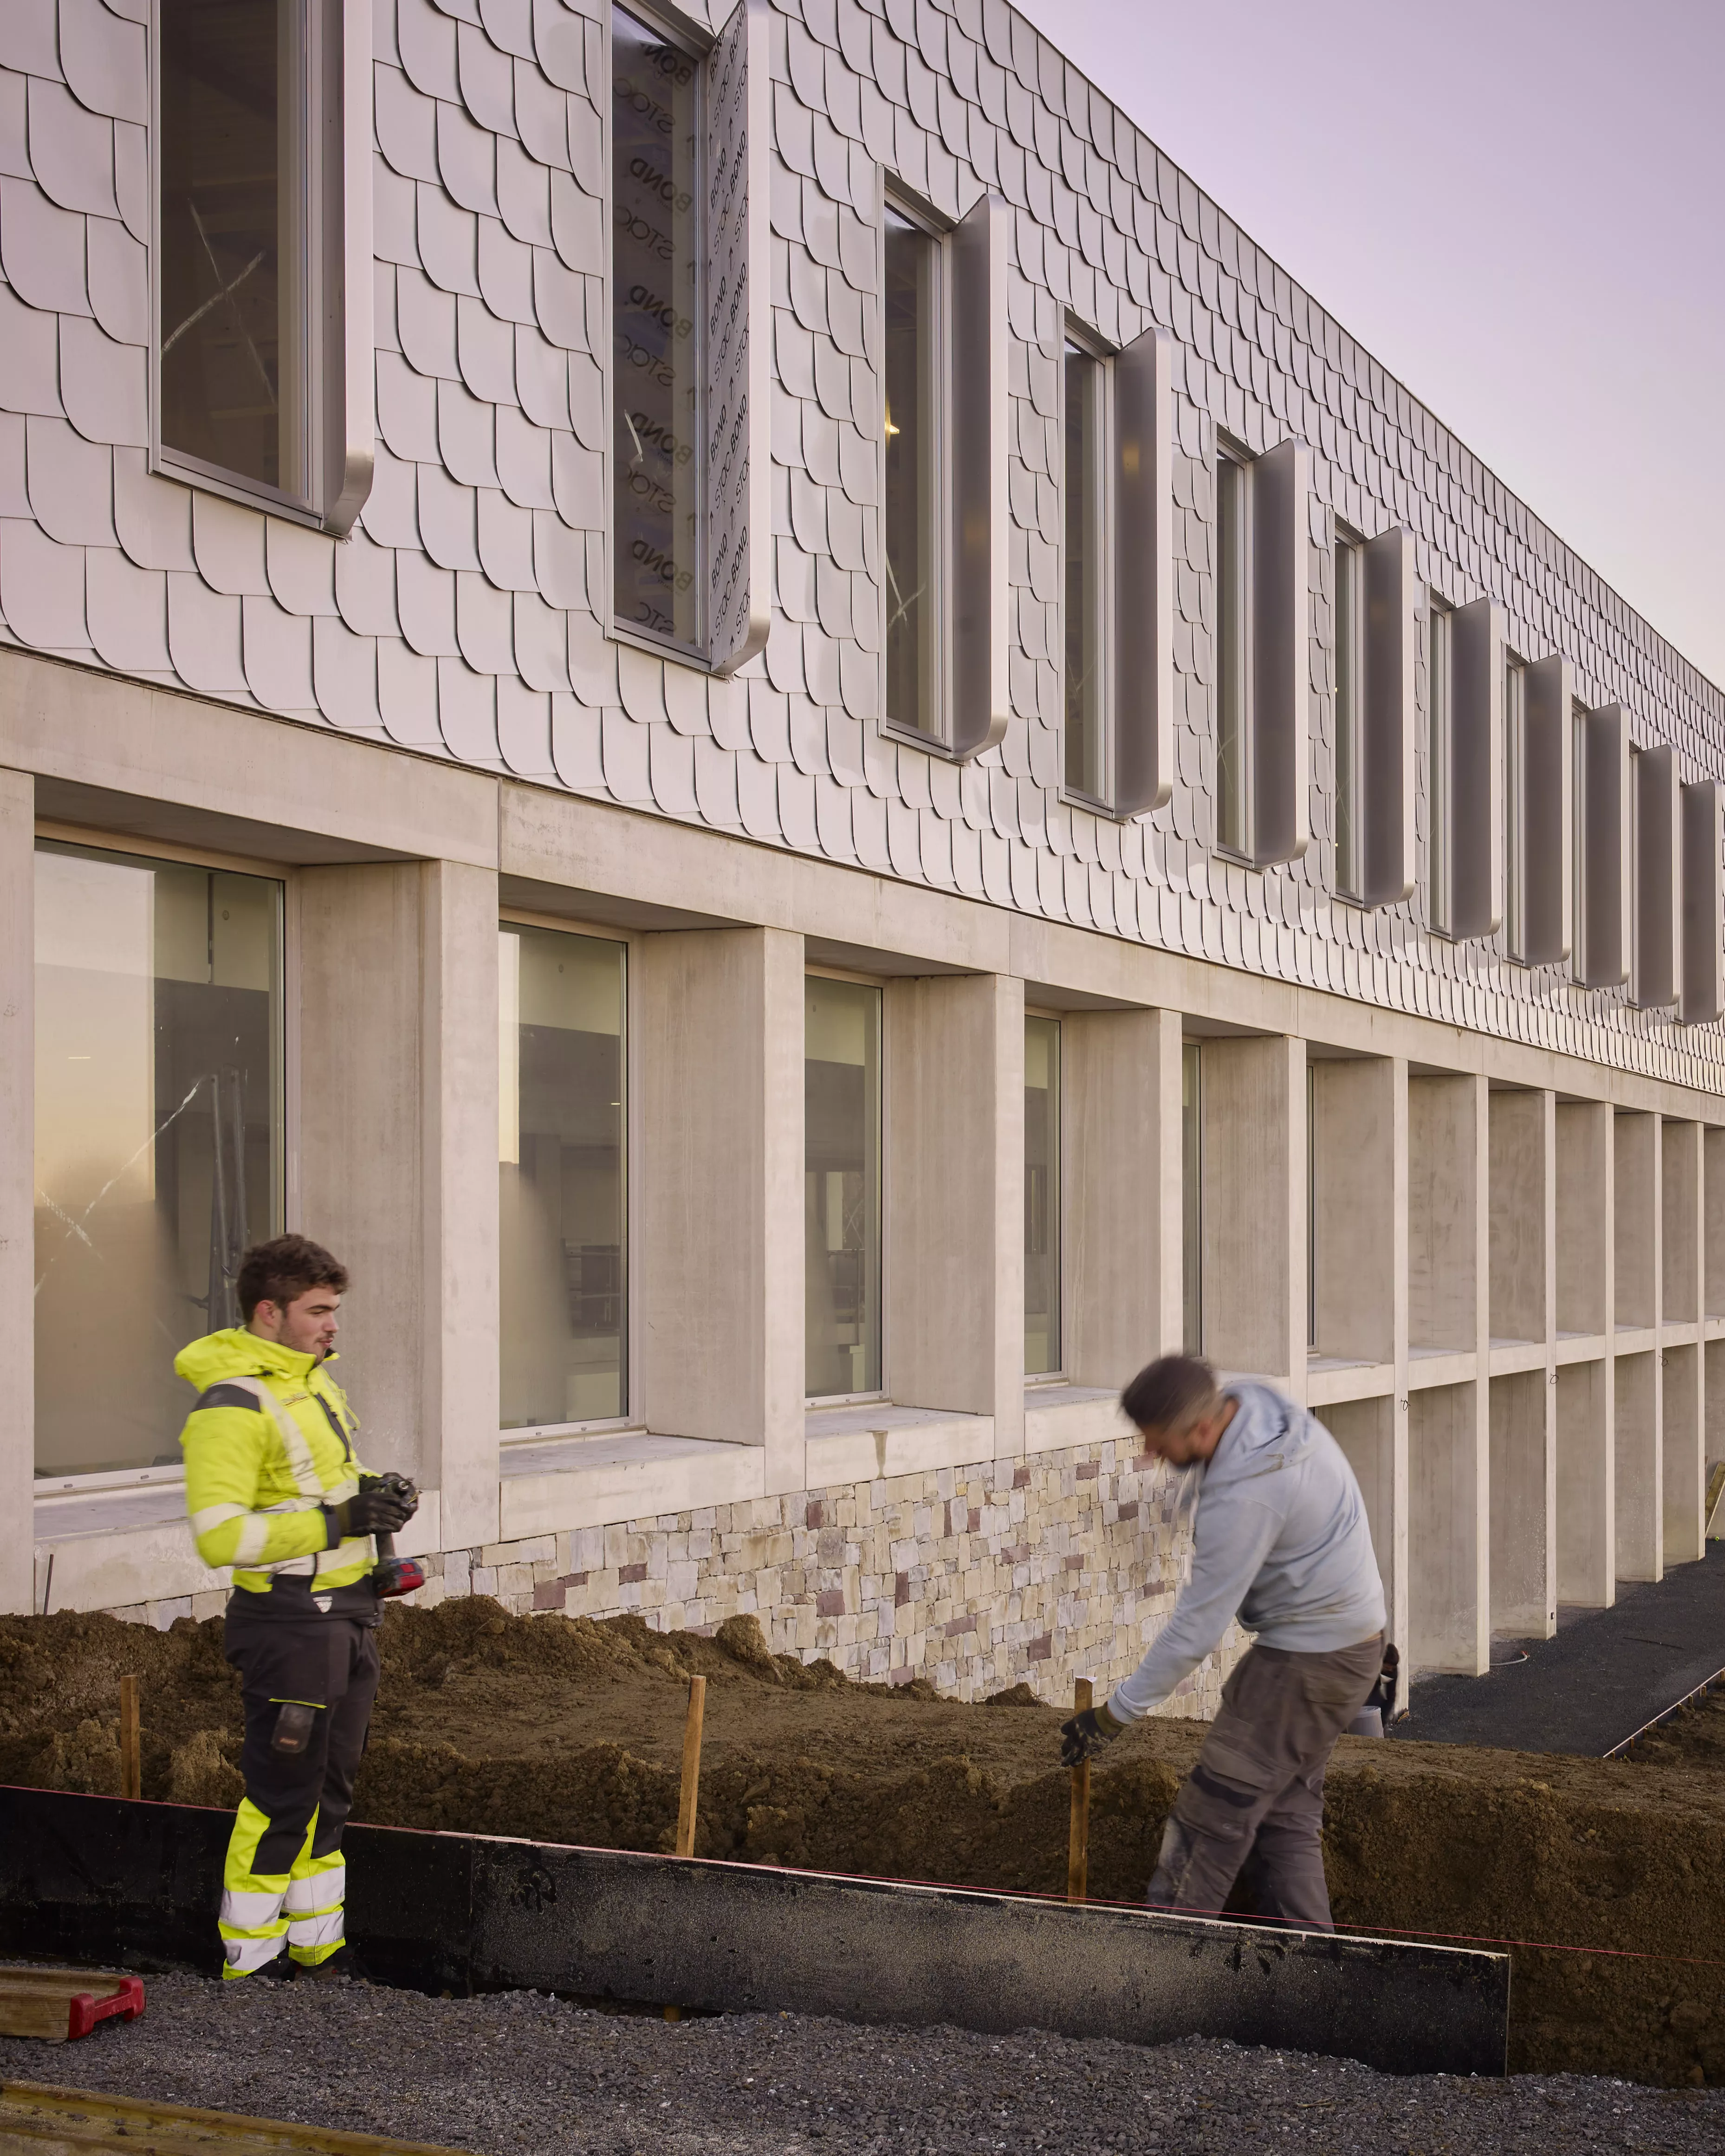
976, 1578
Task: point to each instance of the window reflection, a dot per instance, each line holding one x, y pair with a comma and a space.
911, 296
561, 1159
1042, 1195
157, 1136
233, 246
842, 1186
655, 273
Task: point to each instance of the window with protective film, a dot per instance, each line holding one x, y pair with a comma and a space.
158, 1147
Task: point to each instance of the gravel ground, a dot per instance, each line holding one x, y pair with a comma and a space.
522, 2075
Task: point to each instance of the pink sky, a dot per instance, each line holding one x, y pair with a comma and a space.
1517, 207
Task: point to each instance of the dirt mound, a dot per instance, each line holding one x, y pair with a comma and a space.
571, 1730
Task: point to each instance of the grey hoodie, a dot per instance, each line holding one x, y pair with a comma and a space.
1279, 1539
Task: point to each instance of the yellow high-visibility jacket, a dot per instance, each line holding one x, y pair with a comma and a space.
268, 1446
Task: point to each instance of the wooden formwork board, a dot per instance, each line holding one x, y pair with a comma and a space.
39, 2120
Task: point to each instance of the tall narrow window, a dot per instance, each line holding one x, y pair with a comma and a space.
1234, 776
235, 257
912, 475
1311, 1206
1042, 1196
841, 1210
655, 285
1350, 690
1515, 818
560, 1148
158, 1152
1086, 385
1192, 1196
1440, 839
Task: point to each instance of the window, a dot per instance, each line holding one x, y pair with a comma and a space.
1350, 714
1439, 763
561, 1151
1192, 1196
1085, 392
656, 284
1515, 811
1042, 1196
234, 262
158, 1154
841, 1093
913, 504
1234, 776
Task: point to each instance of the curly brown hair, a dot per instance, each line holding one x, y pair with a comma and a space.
281, 1271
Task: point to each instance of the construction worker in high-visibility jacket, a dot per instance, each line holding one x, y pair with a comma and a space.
274, 1488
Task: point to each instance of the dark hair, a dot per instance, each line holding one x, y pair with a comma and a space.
1169, 1393
282, 1271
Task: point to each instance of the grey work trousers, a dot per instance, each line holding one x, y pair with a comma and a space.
1257, 1784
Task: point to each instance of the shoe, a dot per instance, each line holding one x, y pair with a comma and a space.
342, 1967
278, 1970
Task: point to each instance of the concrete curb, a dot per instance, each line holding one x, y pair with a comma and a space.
137, 1885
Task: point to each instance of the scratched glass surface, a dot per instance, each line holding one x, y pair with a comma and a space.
655, 282
232, 247
158, 1138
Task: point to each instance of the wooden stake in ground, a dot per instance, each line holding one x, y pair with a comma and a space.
131, 1758
686, 1802
1078, 1832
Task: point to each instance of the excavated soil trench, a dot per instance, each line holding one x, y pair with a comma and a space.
566, 1730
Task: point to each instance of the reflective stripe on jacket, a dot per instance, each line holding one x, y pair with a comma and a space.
269, 1445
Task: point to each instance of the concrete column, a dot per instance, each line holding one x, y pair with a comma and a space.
1586, 1447
1121, 1143
1253, 1107
720, 1270
1360, 1110
394, 1161
1683, 1259
954, 1332
18, 1150
1449, 1249
1637, 1293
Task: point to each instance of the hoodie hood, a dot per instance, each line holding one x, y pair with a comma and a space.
1267, 1434
237, 1353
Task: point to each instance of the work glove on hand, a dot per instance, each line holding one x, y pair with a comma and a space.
1086, 1734
379, 1512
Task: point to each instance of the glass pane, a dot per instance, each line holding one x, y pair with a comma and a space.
1347, 689
158, 1143
232, 319
1042, 1195
1231, 822
841, 1184
912, 265
1438, 766
655, 270
1515, 815
1191, 1197
563, 1273
1083, 623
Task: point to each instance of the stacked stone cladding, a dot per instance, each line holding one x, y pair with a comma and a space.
973, 1578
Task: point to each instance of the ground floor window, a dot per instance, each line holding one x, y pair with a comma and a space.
1042, 1196
561, 1151
841, 1186
158, 1150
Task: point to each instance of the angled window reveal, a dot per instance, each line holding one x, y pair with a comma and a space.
262, 351
1350, 676
1233, 744
657, 461
1702, 1000
1380, 593
912, 494
1085, 387
1657, 848
1143, 682
1262, 682
1601, 955
982, 418
1538, 752
1464, 765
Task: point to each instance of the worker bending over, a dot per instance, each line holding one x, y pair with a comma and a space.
1280, 1540
274, 1488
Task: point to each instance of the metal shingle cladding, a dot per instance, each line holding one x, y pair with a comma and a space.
460, 620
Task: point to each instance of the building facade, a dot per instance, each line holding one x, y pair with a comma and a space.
747, 703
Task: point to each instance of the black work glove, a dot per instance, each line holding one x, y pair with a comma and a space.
1382, 1696
1086, 1734
380, 1510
